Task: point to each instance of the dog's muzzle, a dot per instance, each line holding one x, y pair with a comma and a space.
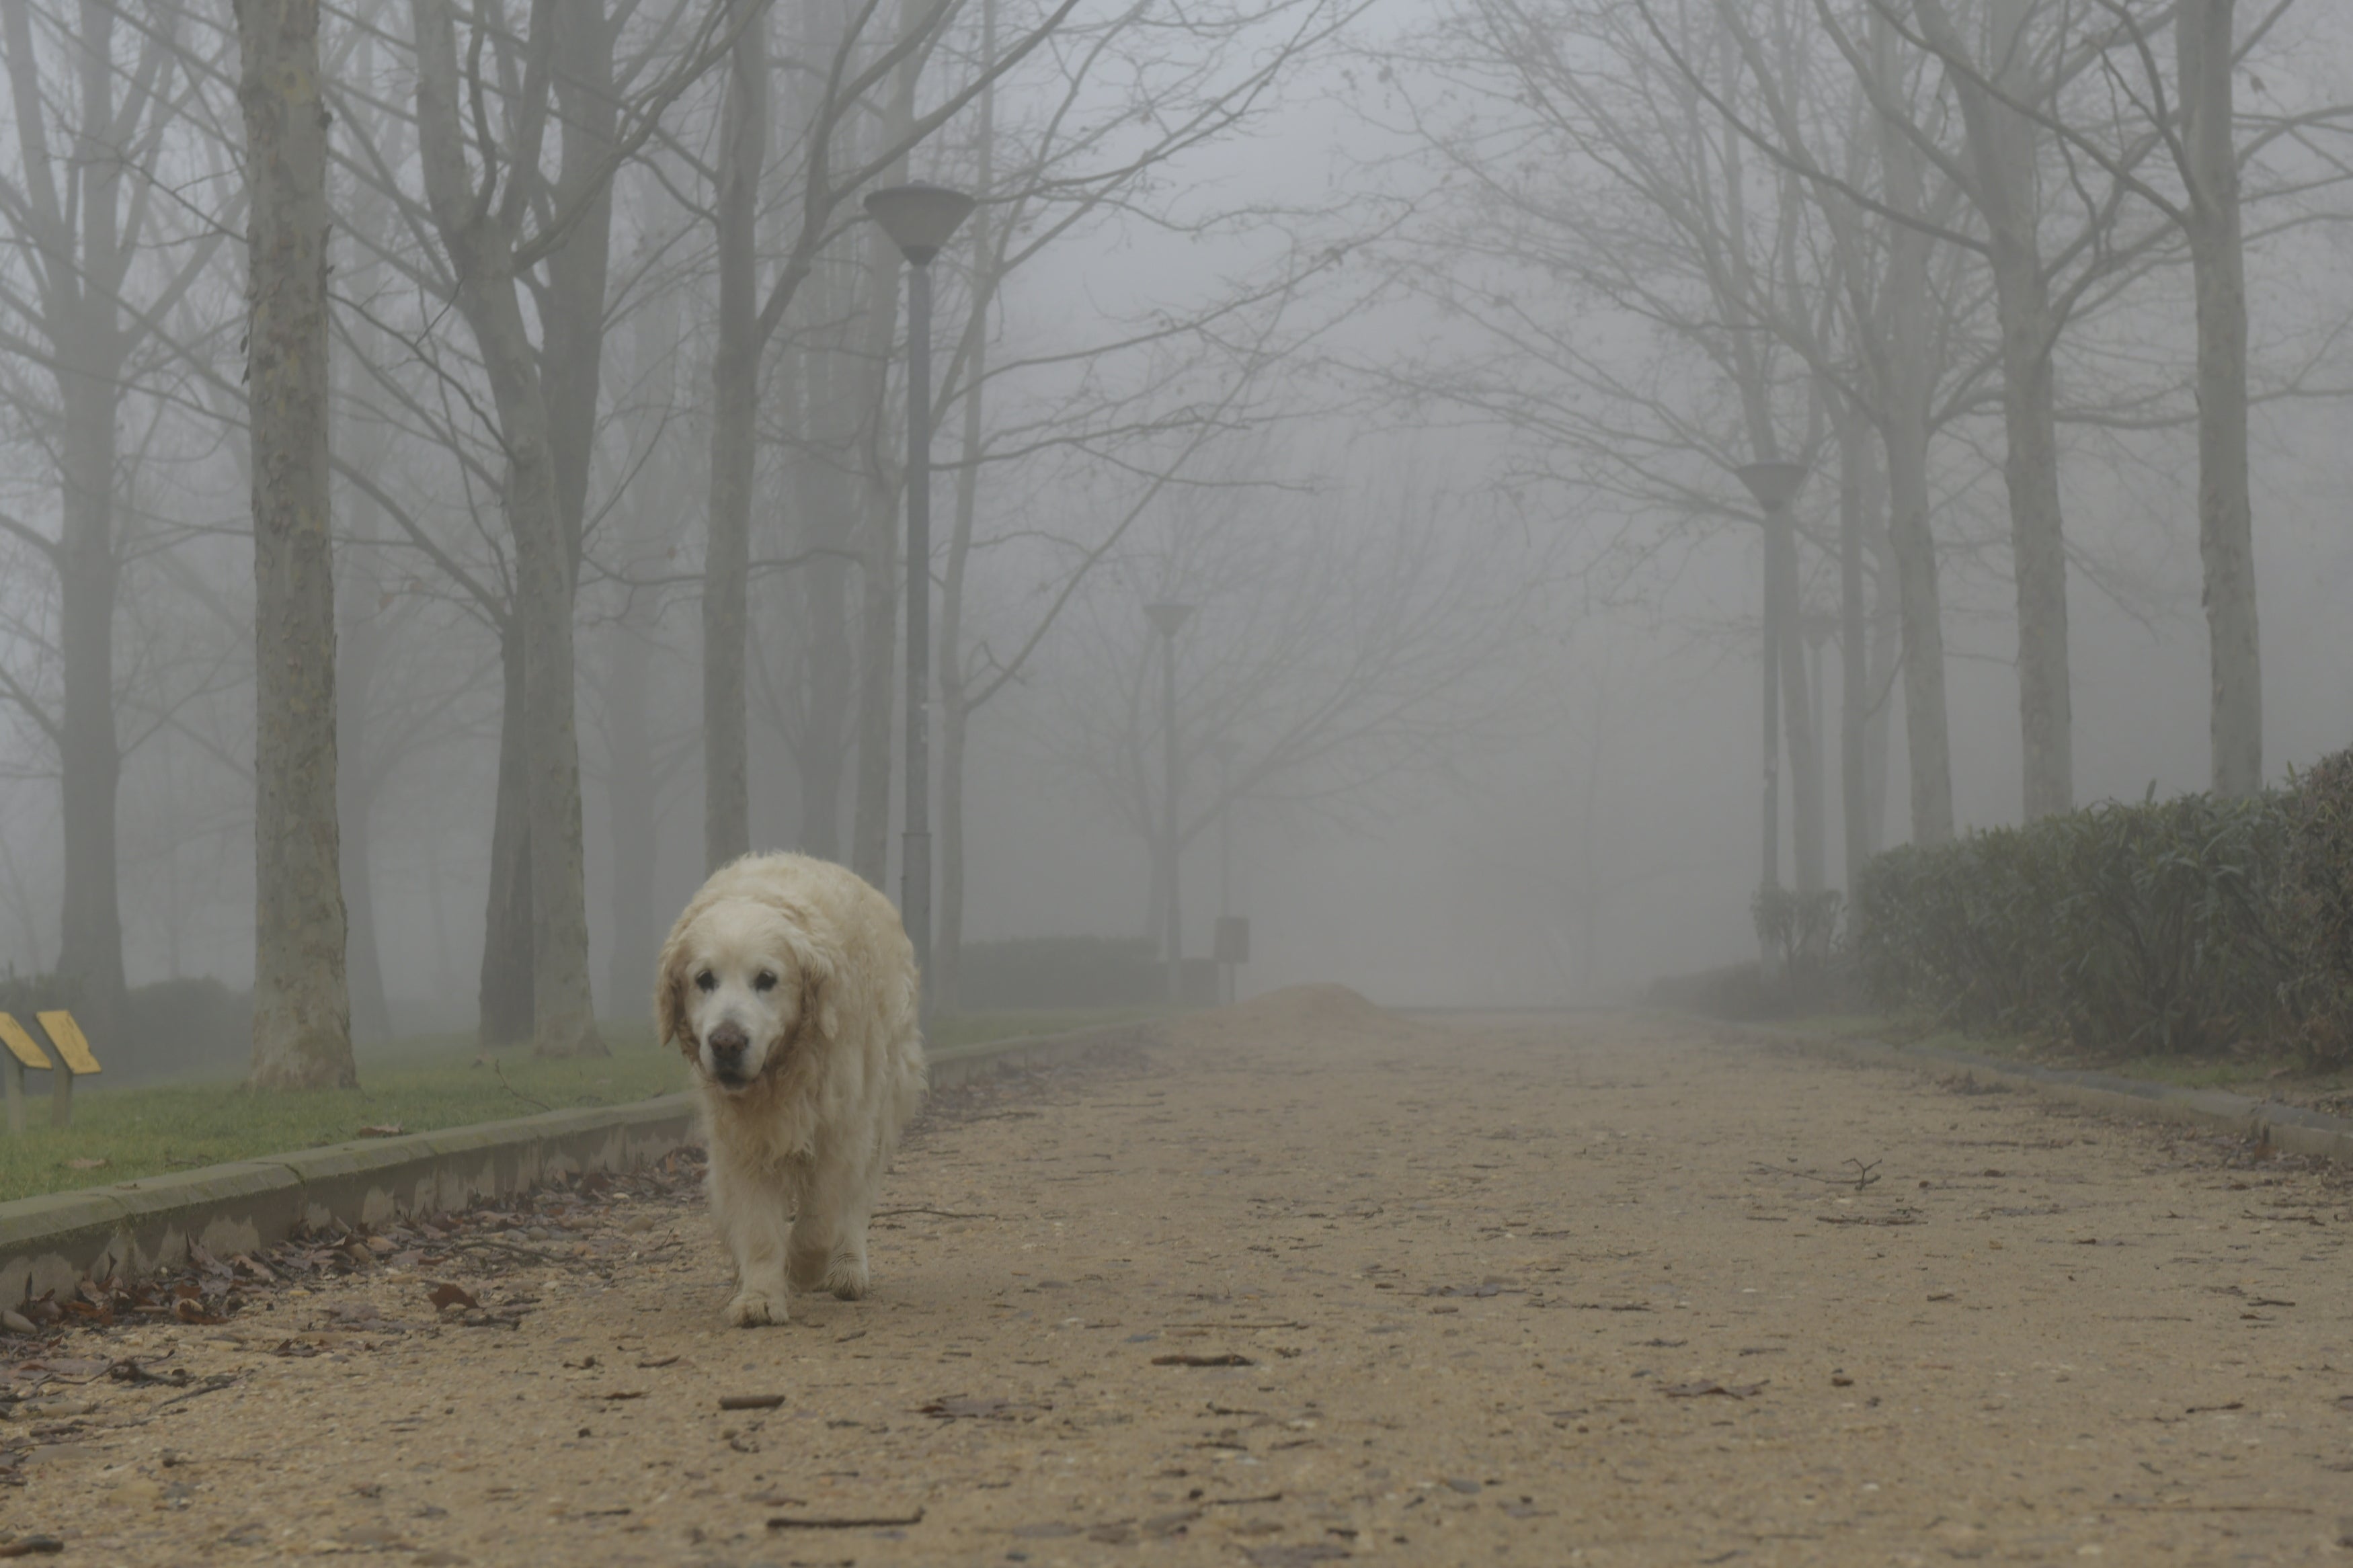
727, 1044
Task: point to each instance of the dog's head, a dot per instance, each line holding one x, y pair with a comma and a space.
744, 985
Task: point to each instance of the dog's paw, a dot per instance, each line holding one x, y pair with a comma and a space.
752, 1309
845, 1277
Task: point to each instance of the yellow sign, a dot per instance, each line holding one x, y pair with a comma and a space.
72, 1049
21, 1045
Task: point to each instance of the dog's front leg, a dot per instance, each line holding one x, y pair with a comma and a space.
828, 1241
751, 1211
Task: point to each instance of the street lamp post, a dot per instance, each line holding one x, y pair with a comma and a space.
1775, 486
919, 218
1166, 618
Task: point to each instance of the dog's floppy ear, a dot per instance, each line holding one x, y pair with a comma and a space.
669, 992
818, 960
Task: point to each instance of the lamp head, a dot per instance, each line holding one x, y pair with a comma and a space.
918, 217
1773, 484
1168, 617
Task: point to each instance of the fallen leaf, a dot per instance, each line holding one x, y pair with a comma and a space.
822, 1522
624, 1393
972, 1409
189, 1311
446, 1295
1295, 1556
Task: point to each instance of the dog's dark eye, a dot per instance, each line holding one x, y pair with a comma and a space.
706, 981
766, 981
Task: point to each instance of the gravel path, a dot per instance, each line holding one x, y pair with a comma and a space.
1307, 1282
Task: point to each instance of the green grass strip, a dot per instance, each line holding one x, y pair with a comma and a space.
423, 1085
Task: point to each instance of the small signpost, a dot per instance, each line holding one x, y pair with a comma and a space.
74, 1060
1230, 947
23, 1052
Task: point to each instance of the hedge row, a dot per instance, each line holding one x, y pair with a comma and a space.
2195, 925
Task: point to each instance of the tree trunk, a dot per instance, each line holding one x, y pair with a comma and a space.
563, 1020
871, 829
301, 1014
2001, 146
505, 994
2038, 552
482, 254
734, 376
358, 655
632, 817
947, 942
1927, 745
1797, 712
2204, 34
1886, 653
822, 753
869, 842
956, 706
1904, 431
825, 386
1854, 680
878, 664
78, 240
90, 756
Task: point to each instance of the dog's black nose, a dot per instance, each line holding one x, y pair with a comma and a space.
727, 1043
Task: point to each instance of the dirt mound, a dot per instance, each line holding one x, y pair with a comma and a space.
1303, 1012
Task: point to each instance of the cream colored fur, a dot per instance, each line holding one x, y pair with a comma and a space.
831, 1065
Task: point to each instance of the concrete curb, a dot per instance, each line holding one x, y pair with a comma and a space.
136, 1227
2289, 1128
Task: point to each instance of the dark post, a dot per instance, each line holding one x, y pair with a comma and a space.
919, 218
916, 860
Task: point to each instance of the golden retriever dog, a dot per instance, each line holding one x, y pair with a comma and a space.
790, 985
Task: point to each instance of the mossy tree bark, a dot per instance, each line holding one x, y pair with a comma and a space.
302, 1011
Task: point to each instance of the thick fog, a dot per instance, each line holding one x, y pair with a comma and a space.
1415, 345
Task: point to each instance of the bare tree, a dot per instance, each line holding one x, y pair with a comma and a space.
93, 111
302, 1011
1344, 656
2196, 124
497, 219
859, 76
1626, 183
1042, 177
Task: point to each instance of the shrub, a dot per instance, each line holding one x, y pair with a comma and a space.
2156, 927
23, 995
175, 1027
2168, 933
2317, 896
